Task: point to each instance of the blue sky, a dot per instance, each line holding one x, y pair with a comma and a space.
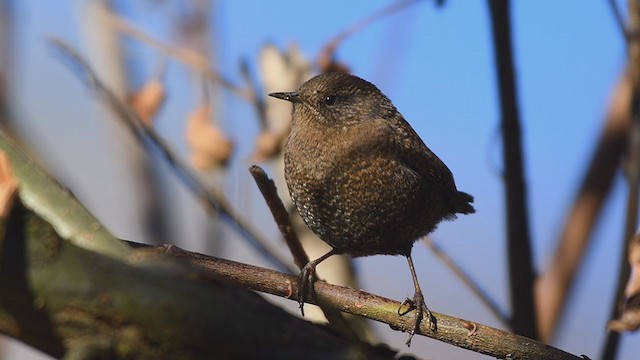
436, 64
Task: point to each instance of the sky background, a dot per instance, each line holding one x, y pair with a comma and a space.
436, 65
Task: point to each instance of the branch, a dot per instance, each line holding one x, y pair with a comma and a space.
212, 198
326, 56
281, 216
68, 301
189, 57
553, 286
521, 275
458, 332
633, 175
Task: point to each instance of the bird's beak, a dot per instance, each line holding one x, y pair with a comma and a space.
294, 97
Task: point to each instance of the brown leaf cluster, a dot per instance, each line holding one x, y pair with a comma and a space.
209, 146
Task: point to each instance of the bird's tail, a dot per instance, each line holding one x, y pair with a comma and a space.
463, 203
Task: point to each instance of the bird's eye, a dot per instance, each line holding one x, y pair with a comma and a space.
330, 100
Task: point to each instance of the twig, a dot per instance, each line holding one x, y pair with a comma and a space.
281, 216
188, 57
212, 198
521, 276
330, 47
466, 279
458, 332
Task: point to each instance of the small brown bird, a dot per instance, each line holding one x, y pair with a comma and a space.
362, 179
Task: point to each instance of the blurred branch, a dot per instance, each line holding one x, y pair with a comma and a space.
633, 175
212, 198
521, 274
466, 280
189, 57
553, 287
7, 53
458, 332
280, 215
327, 53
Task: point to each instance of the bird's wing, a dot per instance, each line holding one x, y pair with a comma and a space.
413, 152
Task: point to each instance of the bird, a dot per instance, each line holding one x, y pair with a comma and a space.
362, 179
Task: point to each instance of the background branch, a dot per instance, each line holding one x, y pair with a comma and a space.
555, 284
633, 176
521, 274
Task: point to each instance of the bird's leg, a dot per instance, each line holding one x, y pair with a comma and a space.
308, 276
418, 304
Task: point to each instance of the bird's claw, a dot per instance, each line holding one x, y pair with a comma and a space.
418, 304
305, 284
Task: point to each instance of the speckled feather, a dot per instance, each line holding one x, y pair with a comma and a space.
359, 175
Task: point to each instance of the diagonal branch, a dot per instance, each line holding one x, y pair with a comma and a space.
212, 198
554, 285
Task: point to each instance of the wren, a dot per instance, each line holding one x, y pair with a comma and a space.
362, 179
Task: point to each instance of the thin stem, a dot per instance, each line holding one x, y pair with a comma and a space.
189, 57
280, 215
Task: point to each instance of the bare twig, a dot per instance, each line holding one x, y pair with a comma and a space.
212, 198
458, 332
188, 57
521, 275
281, 216
328, 50
467, 280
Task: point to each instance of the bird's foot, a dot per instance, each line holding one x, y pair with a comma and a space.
418, 304
305, 283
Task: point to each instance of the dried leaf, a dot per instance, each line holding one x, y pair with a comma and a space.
268, 145
630, 318
8, 186
208, 144
148, 100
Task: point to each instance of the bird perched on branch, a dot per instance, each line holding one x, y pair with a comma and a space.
362, 179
